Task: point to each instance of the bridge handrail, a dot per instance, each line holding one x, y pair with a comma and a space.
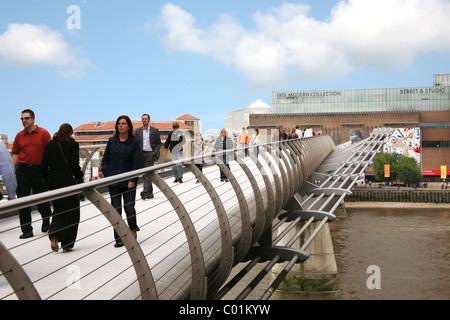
301, 151
33, 200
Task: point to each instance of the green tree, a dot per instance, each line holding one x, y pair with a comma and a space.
402, 167
378, 165
408, 170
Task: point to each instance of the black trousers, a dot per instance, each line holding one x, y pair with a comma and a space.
129, 197
29, 181
65, 220
148, 159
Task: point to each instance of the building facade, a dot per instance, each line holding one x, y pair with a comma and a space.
339, 112
90, 135
241, 118
191, 121
98, 133
362, 100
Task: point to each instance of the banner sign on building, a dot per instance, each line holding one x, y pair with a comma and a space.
387, 171
443, 172
427, 172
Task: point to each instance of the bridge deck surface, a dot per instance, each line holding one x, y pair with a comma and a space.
105, 270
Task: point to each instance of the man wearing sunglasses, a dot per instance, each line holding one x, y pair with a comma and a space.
27, 152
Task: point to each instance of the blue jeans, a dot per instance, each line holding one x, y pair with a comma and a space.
177, 170
225, 159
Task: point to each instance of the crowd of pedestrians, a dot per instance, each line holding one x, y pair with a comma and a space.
39, 162
295, 133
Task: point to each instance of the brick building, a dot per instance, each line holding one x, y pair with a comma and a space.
338, 112
90, 135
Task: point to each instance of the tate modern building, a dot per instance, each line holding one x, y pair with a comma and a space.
421, 113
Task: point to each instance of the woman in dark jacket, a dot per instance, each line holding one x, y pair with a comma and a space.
123, 154
223, 143
61, 168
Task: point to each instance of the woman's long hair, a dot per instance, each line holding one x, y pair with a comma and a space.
130, 126
64, 133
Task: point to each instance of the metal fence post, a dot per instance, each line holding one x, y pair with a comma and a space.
199, 284
226, 258
16, 276
143, 272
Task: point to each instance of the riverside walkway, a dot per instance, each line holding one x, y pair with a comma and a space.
192, 234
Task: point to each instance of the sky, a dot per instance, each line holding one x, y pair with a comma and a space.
93, 60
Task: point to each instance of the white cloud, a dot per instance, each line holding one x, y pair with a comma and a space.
182, 34
387, 33
27, 44
258, 104
287, 43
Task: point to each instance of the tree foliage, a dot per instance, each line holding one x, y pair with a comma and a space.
408, 171
402, 167
378, 165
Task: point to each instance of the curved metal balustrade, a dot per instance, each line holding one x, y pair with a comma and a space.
192, 234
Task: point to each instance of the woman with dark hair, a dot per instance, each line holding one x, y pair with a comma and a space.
224, 143
123, 154
61, 168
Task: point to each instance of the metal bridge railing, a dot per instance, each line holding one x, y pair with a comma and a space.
191, 235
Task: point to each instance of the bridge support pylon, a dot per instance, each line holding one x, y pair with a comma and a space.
317, 277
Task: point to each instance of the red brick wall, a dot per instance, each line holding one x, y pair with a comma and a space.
432, 158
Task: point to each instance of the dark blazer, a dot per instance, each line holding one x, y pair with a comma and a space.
171, 143
55, 170
155, 140
121, 157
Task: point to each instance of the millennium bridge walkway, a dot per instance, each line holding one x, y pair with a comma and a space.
192, 235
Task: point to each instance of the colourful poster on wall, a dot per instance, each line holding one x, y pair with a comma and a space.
404, 141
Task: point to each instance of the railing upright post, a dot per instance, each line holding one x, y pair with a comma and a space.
246, 226
16, 276
227, 252
259, 222
143, 272
199, 282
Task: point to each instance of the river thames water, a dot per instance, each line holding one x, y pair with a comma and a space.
404, 250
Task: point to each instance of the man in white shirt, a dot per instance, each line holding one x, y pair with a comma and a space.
150, 145
7, 171
298, 131
308, 133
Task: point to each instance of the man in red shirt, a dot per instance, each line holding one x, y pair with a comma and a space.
27, 152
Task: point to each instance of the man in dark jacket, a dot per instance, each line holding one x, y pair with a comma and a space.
150, 141
174, 143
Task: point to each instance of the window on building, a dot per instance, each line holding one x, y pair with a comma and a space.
436, 144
